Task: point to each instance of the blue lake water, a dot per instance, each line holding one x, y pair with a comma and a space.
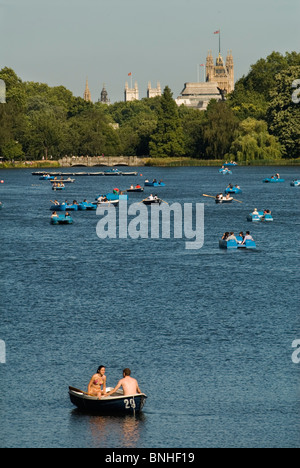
208, 333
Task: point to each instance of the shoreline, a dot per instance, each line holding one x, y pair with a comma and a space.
149, 162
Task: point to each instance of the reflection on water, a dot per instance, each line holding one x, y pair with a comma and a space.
101, 430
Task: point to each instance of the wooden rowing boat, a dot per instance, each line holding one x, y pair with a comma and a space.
117, 403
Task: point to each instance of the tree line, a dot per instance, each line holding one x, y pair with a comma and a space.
258, 120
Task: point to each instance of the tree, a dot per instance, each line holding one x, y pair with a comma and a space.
167, 139
193, 124
252, 92
219, 129
284, 114
254, 142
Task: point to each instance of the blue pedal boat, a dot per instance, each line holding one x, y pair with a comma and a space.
259, 217
87, 206
113, 172
233, 190
154, 183
61, 219
228, 164
295, 183
64, 207
225, 171
46, 177
272, 180
115, 404
233, 245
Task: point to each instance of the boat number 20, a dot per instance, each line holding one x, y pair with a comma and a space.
130, 403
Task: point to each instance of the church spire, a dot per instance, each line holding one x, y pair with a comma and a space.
87, 94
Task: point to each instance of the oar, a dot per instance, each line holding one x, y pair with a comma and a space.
211, 196
79, 391
164, 201
237, 200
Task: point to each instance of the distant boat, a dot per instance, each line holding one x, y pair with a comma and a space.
65, 207
113, 172
62, 181
259, 217
117, 403
224, 171
152, 201
272, 180
108, 203
61, 219
232, 163
129, 173
221, 199
233, 190
138, 188
46, 177
115, 195
154, 183
87, 206
232, 244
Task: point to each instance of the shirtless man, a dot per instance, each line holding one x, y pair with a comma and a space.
130, 385
98, 380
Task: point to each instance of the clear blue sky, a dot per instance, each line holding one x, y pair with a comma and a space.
62, 42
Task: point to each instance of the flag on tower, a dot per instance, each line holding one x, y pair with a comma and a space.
217, 32
129, 74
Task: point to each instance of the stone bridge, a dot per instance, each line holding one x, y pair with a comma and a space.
92, 161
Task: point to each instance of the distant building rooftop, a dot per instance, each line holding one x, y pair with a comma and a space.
198, 95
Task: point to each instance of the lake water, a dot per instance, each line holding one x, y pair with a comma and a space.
208, 333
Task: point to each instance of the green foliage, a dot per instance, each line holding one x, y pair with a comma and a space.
253, 142
283, 114
219, 129
167, 139
257, 122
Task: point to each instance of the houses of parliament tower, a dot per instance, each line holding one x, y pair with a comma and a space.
221, 73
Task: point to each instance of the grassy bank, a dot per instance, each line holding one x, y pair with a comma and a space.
29, 164
158, 162
186, 162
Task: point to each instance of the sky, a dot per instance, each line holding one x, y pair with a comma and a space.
64, 42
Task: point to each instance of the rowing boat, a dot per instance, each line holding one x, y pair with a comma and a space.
135, 189
152, 201
117, 403
108, 203
221, 199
